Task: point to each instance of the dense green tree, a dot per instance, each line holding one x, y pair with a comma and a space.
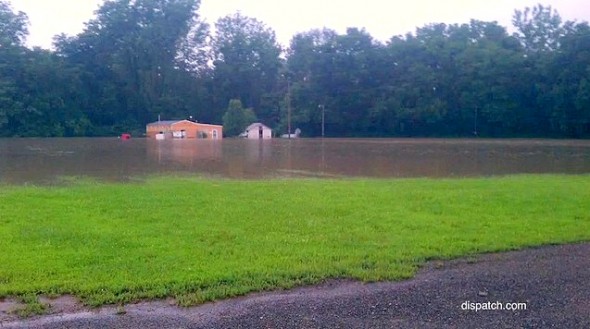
137, 59
539, 28
308, 79
247, 64
569, 97
13, 30
332, 72
48, 89
237, 118
36, 88
13, 26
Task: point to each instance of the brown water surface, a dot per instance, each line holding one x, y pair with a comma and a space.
42, 161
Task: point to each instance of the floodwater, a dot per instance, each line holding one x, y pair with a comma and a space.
46, 161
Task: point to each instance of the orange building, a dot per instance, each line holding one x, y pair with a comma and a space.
183, 129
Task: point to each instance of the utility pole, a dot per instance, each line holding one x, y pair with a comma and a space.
323, 107
289, 107
475, 123
287, 75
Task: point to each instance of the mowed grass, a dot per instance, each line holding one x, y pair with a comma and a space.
203, 239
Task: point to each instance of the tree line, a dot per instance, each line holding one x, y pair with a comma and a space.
139, 60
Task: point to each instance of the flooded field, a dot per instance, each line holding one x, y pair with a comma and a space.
42, 161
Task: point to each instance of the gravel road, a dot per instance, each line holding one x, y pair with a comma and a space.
553, 282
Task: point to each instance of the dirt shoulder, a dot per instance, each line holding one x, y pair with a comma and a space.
553, 282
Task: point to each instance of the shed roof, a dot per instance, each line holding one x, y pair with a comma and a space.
256, 125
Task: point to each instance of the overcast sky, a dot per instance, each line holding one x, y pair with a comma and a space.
381, 18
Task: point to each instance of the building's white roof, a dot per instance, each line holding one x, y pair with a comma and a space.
173, 122
256, 126
164, 122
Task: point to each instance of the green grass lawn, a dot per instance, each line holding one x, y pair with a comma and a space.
204, 239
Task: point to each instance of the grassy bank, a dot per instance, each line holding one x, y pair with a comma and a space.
202, 239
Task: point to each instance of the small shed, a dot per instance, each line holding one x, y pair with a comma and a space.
258, 131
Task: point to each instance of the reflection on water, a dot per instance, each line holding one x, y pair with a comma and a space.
45, 160
183, 152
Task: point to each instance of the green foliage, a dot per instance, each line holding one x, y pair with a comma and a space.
237, 118
131, 55
139, 59
13, 26
198, 240
539, 28
32, 306
247, 63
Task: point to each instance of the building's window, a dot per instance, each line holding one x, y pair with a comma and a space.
214, 134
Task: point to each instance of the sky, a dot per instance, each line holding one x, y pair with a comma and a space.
381, 18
